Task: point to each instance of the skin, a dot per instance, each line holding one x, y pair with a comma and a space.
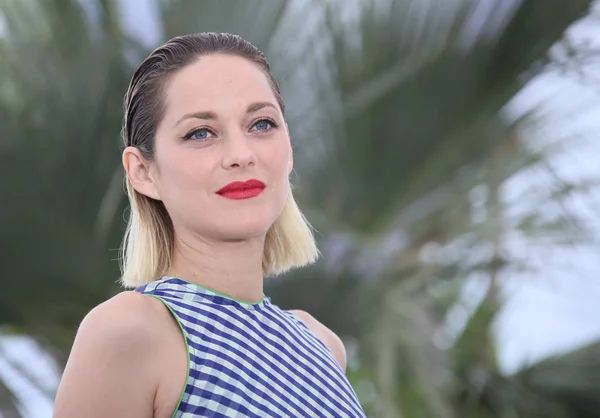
129, 358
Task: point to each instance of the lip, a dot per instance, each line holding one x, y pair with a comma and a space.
239, 190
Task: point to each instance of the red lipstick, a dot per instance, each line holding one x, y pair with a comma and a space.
242, 189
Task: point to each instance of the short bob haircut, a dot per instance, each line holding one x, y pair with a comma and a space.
148, 242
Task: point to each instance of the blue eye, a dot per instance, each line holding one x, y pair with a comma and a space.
264, 125
201, 134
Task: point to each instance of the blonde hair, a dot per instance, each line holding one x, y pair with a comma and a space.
148, 243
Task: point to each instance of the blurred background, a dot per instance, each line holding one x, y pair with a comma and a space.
446, 152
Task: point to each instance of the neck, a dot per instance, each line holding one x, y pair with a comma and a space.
231, 268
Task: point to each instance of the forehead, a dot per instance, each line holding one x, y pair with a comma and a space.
217, 82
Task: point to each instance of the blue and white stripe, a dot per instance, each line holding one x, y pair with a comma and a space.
252, 360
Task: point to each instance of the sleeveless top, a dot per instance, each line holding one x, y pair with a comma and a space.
251, 360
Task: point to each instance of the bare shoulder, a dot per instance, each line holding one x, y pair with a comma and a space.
327, 337
125, 322
111, 359
126, 311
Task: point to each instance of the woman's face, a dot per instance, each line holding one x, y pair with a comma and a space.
222, 125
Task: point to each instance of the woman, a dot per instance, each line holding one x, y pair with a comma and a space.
207, 158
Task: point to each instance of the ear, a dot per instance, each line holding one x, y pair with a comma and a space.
291, 158
139, 173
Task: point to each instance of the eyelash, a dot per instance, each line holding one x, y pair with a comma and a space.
269, 120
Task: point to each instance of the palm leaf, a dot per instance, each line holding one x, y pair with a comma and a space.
432, 118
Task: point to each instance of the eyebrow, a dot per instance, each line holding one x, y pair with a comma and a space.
209, 115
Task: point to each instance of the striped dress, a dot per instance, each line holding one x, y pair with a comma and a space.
251, 360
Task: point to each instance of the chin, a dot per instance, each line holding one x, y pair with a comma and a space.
245, 226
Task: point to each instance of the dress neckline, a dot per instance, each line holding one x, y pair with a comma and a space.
214, 295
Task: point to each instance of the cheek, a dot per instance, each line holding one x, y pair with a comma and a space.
281, 172
182, 174
279, 159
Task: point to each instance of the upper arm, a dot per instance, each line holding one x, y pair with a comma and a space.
109, 372
327, 337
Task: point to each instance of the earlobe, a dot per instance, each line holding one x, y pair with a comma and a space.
138, 173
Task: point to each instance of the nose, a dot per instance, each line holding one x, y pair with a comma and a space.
238, 152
